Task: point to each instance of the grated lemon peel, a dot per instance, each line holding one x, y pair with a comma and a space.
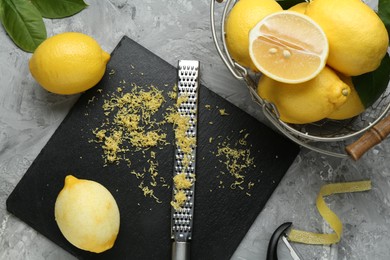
181, 182
237, 159
186, 143
179, 200
132, 122
222, 112
130, 125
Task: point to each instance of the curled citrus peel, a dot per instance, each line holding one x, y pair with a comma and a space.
330, 217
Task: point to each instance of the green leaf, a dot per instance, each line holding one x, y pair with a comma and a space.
286, 4
59, 8
23, 23
370, 86
384, 13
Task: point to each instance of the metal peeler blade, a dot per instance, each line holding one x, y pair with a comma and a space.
280, 232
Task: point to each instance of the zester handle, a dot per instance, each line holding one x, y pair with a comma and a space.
180, 251
372, 137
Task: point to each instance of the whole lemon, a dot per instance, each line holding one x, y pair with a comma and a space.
305, 102
87, 214
357, 37
68, 63
244, 15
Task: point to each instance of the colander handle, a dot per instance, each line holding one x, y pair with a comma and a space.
372, 137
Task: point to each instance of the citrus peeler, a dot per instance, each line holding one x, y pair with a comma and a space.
281, 233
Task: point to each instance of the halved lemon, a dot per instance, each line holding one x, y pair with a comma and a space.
288, 47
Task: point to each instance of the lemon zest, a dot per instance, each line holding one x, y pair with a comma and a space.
237, 159
329, 216
130, 121
179, 200
181, 182
222, 112
186, 143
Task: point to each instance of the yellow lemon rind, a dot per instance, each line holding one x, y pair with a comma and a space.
87, 215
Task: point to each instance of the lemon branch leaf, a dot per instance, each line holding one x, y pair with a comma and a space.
59, 8
286, 4
370, 86
23, 23
384, 13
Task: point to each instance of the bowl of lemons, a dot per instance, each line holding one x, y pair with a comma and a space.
319, 69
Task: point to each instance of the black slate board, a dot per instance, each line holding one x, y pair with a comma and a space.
222, 215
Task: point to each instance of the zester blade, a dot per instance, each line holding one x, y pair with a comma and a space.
182, 219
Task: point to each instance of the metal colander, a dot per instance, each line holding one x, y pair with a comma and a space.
340, 132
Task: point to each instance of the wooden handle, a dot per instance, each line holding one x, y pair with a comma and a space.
372, 137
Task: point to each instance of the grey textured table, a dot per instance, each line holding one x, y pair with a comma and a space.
181, 30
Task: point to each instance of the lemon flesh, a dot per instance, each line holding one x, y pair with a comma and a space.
243, 16
305, 102
357, 37
87, 215
288, 47
68, 63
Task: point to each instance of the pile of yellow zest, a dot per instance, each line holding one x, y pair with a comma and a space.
237, 161
130, 122
329, 216
179, 201
181, 182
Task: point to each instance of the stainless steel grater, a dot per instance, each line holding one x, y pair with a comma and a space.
181, 221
